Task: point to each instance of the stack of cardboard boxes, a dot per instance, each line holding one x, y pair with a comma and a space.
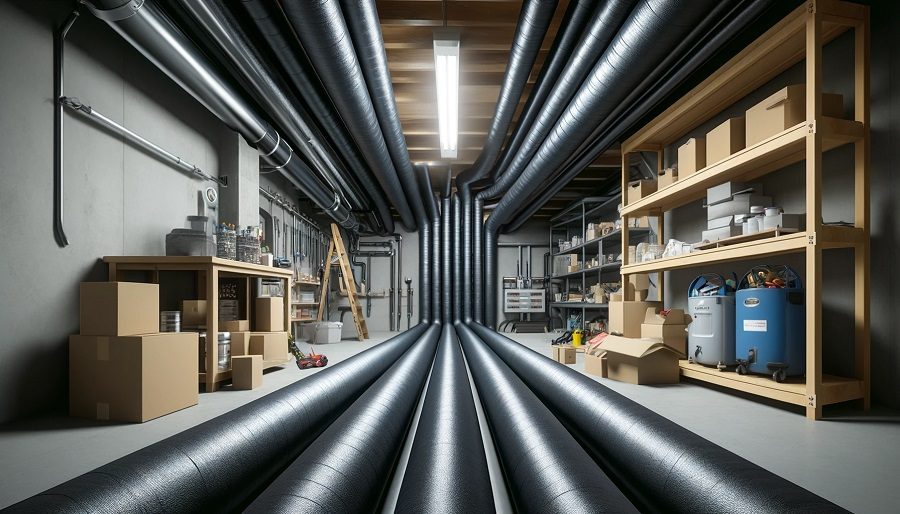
121, 367
268, 340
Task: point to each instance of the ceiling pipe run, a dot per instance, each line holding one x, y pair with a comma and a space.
323, 32
427, 254
434, 215
154, 35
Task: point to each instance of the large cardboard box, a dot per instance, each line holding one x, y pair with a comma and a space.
563, 353
271, 345
667, 177
596, 365
625, 318
691, 156
640, 361
670, 329
118, 308
240, 343
784, 109
193, 313
740, 204
246, 372
725, 140
132, 378
269, 314
239, 325
640, 189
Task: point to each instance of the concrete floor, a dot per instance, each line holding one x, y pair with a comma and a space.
851, 459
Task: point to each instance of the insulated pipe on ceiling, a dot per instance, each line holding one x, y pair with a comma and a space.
272, 28
447, 259
629, 112
218, 466
447, 469
477, 259
458, 258
365, 28
534, 20
322, 31
428, 281
348, 468
154, 35
661, 466
545, 468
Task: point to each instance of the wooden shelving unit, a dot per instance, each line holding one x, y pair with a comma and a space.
797, 38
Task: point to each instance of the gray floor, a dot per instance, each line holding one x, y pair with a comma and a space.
851, 459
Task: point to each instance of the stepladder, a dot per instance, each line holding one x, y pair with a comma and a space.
336, 248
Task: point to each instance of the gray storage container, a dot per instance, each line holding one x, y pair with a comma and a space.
711, 333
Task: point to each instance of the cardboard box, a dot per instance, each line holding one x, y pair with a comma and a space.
740, 204
640, 189
784, 109
269, 314
719, 222
639, 222
240, 343
625, 318
132, 378
670, 329
118, 308
640, 281
572, 269
193, 313
246, 372
241, 325
563, 354
691, 156
790, 221
725, 140
726, 191
639, 361
667, 177
595, 365
273, 346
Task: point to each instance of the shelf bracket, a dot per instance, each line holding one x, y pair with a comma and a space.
811, 239
812, 127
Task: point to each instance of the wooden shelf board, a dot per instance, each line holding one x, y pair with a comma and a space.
305, 283
728, 241
303, 320
774, 153
305, 303
164, 262
611, 265
633, 231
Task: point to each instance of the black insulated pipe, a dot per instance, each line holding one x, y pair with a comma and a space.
349, 466
447, 259
220, 465
447, 469
457, 260
477, 260
661, 466
322, 30
429, 261
545, 468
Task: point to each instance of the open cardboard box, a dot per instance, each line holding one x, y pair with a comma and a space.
636, 361
670, 328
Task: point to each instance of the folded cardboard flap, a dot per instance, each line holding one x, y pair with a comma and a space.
633, 347
670, 317
637, 361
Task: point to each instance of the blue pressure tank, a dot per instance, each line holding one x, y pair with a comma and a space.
770, 324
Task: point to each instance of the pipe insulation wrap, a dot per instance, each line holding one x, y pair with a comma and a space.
447, 468
348, 468
457, 260
220, 465
544, 467
434, 265
662, 466
447, 259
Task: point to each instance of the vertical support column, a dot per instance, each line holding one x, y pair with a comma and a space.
813, 216
287, 305
212, 327
660, 230
626, 238
861, 207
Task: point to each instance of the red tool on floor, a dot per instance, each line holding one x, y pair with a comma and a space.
307, 361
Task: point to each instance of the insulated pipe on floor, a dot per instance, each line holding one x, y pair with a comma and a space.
447, 259
545, 469
661, 466
323, 32
220, 465
349, 466
447, 469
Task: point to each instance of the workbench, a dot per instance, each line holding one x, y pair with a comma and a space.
209, 270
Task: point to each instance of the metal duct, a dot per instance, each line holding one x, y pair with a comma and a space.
220, 465
447, 259
477, 228
349, 466
546, 470
433, 265
662, 466
154, 35
457, 261
447, 469
272, 27
365, 27
321, 28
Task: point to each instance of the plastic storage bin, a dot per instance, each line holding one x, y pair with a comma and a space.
323, 332
711, 333
770, 336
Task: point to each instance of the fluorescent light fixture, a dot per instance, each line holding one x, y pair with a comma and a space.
446, 69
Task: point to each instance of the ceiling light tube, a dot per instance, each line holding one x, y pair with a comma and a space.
446, 70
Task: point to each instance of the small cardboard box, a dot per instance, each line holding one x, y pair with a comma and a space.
725, 140
625, 318
640, 189
193, 313
670, 328
246, 372
273, 346
269, 314
241, 325
640, 361
595, 365
572, 269
240, 343
691, 156
784, 109
118, 308
740, 204
667, 177
563, 354
726, 191
132, 378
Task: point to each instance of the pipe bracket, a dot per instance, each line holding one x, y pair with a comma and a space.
123, 12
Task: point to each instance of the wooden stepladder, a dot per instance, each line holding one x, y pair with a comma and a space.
337, 246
